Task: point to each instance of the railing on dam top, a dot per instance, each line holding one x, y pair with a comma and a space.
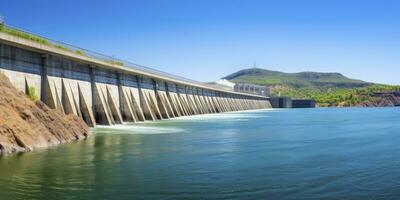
91, 54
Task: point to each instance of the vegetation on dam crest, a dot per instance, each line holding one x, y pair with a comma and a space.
44, 41
26, 125
328, 89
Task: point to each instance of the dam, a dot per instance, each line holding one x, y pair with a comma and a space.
104, 90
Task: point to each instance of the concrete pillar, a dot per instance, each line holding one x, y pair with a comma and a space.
92, 84
103, 113
169, 97
215, 102
87, 112
160, 98
146, 103
124, 105
191, 104
44, 78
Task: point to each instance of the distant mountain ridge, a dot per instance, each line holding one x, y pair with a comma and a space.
295, 80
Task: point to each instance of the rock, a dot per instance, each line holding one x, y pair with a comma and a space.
26, 125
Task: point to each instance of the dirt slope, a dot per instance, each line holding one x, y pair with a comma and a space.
26, 125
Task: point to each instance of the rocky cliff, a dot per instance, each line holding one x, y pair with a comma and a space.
382, 99
26, 125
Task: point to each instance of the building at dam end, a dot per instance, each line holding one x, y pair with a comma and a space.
104, 90
261, 90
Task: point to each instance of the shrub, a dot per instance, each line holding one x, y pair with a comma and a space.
115, 62
62, 48
79, 52
32, 94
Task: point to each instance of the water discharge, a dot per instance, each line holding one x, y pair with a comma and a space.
274, 154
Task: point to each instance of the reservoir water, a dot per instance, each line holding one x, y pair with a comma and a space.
269, 154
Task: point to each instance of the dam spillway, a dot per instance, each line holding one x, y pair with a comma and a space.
102, 90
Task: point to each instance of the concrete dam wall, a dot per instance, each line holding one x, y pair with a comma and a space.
107, 93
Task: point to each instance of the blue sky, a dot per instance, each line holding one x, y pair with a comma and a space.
208, 39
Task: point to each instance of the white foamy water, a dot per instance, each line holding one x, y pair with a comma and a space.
219, 117
171, 125
141, 128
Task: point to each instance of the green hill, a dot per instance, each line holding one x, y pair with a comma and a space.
328, 89
294, 80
